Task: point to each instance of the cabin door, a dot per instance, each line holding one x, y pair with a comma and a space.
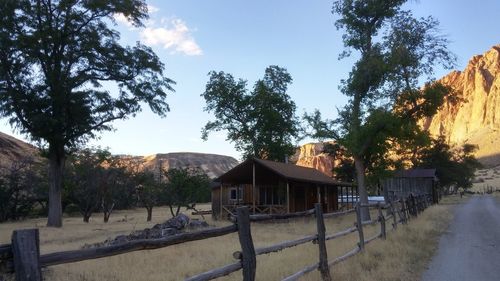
299, 196
311, 198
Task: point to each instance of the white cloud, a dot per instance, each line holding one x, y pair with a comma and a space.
175, 36
121, 18
152, 9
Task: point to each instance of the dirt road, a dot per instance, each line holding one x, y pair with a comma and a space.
470, 249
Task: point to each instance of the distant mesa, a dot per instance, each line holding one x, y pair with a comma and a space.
213, 165
12, 150
475, 118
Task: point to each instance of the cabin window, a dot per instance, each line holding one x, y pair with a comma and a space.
236, 194
272, 195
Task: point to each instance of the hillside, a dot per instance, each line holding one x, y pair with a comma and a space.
12, 150
475, 118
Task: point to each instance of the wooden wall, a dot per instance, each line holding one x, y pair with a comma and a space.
403, 187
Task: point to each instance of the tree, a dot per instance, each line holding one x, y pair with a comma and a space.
455, 167
148, 191
117, 188
18, 185
83, 179
262, 122
184, 188
55, 57
385, 103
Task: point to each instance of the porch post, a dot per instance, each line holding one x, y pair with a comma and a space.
287, 197
318, 194
221, 210
253, 187
341, 196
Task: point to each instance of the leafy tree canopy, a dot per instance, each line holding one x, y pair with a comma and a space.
262, 122
455, 167
55, 57
184, 188
395, 51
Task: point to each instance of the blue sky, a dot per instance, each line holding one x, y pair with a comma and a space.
193, 37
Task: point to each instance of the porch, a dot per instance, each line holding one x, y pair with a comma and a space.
267, 187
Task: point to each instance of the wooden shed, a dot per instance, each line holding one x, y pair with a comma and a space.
413, 181
269, 187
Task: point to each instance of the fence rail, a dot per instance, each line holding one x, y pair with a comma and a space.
23, 255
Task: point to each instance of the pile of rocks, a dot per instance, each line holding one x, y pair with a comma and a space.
172, 226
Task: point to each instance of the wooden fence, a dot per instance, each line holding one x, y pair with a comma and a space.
23, 257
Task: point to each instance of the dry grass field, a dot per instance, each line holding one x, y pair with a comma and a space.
402, 257
489, 177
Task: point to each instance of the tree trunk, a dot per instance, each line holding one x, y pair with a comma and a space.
363, 194
56, 168
150, 213
171, 210
106, 217
86, 218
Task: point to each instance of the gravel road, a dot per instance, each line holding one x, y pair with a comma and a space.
470, 249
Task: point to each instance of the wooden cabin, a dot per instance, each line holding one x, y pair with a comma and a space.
269, 187
413, 181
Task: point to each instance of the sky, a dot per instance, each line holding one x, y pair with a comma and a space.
242, 38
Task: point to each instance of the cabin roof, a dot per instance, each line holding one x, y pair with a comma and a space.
284, 170
416, 173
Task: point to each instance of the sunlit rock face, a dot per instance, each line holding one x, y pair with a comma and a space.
312, 155
475, 118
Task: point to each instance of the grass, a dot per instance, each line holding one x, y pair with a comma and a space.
406, 252
488, 177
402, 257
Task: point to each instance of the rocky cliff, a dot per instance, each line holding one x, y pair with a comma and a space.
312, 155
475, 118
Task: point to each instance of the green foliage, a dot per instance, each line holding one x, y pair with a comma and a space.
262, 122
55, 57
95, 181
83, 179
455, 167
148, 190
395, 50
184, 188
18, 189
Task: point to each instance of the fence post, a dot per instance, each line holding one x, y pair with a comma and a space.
403, 210
394, 219
381, 218
359, 225
415, 208
323, 257
248, 259
26, 252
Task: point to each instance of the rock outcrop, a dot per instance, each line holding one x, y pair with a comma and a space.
173, 226
311, 155
475, 118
